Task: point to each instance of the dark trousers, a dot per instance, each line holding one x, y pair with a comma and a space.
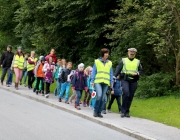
4, 71
87, 97
31, 78
118, 99
38, 81
47, 88
129, 88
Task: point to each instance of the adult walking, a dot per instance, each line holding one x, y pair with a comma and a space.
30, 68
53, 55
18, 65
129, 69
102, 77
5, 63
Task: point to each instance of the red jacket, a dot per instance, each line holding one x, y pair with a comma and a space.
54, 59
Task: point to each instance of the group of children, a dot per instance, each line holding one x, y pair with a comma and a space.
46, 71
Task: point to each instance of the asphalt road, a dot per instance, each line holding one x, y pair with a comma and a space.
25, 119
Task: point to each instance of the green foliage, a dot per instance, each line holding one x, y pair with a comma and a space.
159, 84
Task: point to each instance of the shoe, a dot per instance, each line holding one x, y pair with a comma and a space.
47, 95
36, 92
127, 115
95, 115
100, 116
66, 102
16, 86
7, 85
60, 100
103, 112
84, 104
80, 102
109, 111
78, 108
122, 115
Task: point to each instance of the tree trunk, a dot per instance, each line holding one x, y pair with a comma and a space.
177, 16
178, 70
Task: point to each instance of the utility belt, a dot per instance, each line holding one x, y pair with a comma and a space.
129, 77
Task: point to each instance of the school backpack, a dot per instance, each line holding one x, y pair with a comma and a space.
76, 72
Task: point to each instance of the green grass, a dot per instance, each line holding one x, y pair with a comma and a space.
165, 110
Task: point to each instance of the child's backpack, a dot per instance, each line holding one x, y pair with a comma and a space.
71, 76
77, 75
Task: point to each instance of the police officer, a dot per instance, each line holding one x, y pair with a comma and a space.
129, 69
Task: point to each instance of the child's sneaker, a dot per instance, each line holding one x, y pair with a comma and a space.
47, 95
60, 100
84, 104
78, 108
66, 102
104, 112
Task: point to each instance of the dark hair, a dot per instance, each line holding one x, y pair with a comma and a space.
17, 53
103, 51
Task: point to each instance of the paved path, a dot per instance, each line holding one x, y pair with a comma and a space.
24, 119
135, 127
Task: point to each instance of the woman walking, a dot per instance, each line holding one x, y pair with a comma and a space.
102, 77
18, 65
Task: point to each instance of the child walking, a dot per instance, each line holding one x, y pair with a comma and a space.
38, 72
24, 74
79, 83
116, 93
65, 84
87, 95
49, 69
56, 76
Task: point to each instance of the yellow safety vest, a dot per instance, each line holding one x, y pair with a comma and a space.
103, 72
130, 67
31, 66
19, 62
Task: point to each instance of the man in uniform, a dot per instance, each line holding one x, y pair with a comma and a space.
129, 69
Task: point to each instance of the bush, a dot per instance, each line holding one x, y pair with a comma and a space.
158, 84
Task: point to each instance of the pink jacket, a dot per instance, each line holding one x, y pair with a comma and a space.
48, 66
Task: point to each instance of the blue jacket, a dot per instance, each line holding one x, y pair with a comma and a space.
117, 88
94, 72
89, 83
79, 81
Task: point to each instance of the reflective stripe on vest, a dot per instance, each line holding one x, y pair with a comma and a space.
31, 66
103, 72
130, 67
19, 62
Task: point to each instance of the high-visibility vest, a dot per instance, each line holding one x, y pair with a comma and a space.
103, 72
31, 66
19, 62
130, 67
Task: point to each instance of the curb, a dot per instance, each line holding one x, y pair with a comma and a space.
123, 130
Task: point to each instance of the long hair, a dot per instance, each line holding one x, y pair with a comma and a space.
17, 53
87, 72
